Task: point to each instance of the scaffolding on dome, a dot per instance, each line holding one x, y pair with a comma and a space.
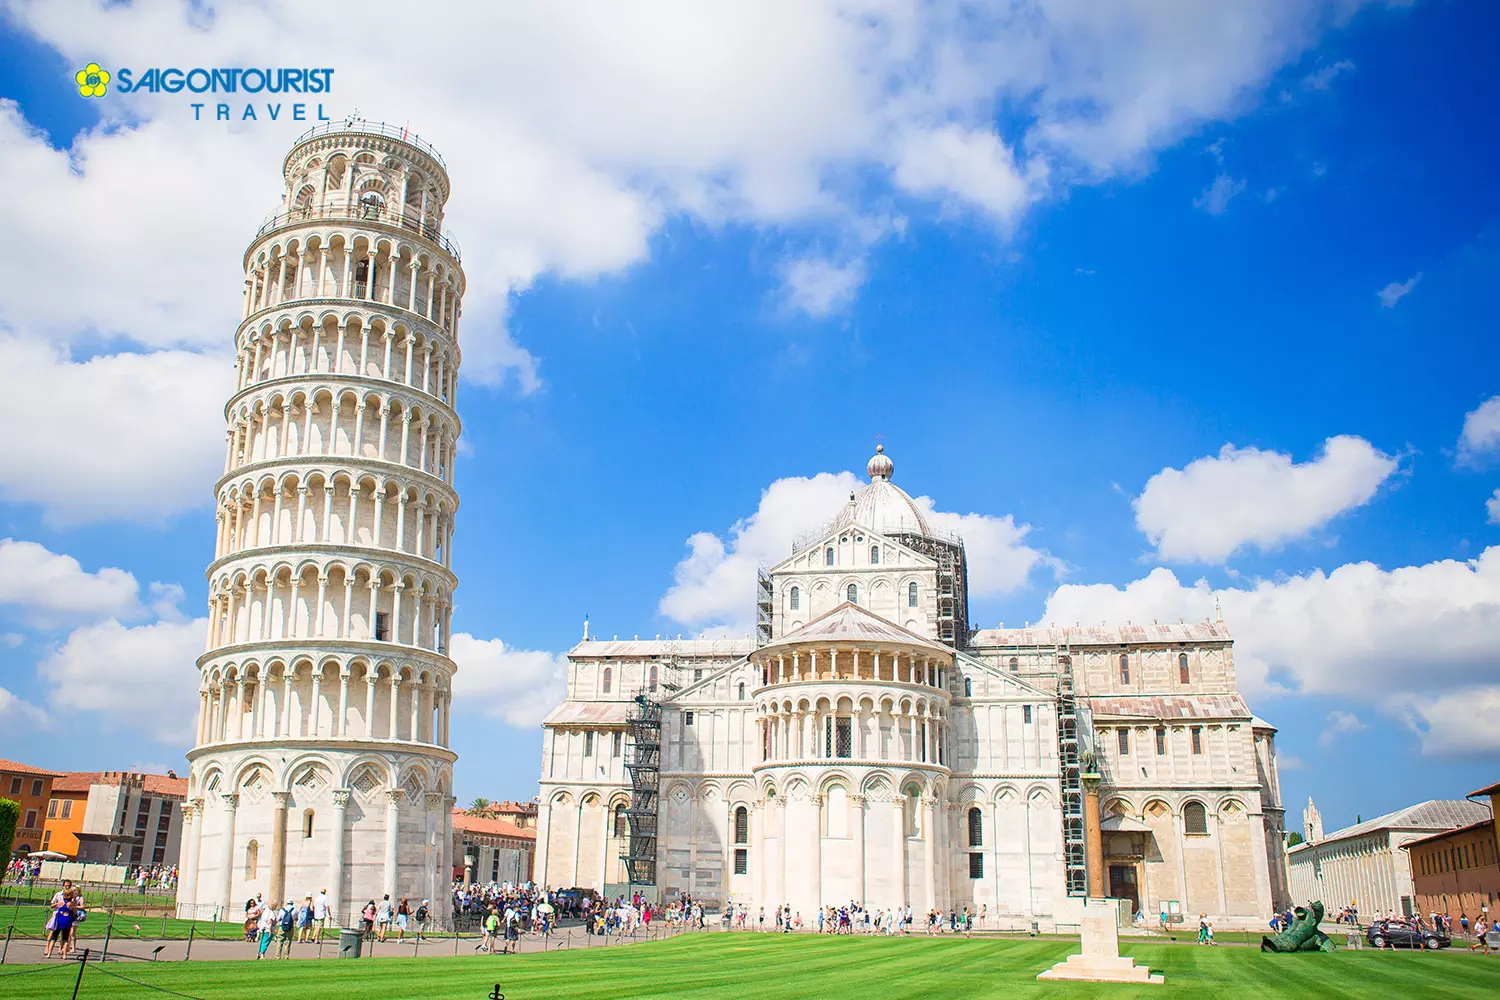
952, 583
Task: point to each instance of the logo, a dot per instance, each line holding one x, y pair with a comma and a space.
92, 81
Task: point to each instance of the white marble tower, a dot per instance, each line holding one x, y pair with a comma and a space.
321, 760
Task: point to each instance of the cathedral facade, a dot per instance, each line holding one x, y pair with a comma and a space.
870, 746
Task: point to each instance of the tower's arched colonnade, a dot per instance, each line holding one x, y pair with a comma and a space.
321, 759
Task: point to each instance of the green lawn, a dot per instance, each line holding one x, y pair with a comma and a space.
747, 966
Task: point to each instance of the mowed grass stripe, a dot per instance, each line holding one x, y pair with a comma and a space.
747, 966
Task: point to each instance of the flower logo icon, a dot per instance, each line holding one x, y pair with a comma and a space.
92, 81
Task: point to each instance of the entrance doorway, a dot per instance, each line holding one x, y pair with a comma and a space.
1122, 885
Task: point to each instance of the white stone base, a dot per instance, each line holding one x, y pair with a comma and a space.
1101, 969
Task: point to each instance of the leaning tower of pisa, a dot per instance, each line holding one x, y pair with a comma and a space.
321, 760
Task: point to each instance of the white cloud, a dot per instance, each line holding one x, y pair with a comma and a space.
1492, 507
715, 583
1396, 291
143, 434
1322, 79
19, 713
573, 132
142, 677
518, 685
1481, 433
1401, 640
1461, 723
1216, 197
973, 166
1339, 724
820, 287
1245, 496
55, 587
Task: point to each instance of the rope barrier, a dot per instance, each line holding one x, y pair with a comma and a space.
27, 972
149, 986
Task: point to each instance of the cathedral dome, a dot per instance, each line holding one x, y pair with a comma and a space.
882, 505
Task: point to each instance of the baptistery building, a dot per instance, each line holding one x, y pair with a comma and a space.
870, 745
321, 761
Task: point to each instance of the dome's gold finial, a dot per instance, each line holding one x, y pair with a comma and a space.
880, 449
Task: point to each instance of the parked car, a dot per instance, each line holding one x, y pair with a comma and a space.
1405, 934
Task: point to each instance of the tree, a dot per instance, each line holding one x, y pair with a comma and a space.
1293, 839
10, 815
478, 806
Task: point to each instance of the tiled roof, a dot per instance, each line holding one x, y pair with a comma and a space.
161, 784
625, 649
1172, 706
1491, 790
74, 781
16, 767
1483, 824
495, 827
852, 623
585, 713
1434, 814
1102, 635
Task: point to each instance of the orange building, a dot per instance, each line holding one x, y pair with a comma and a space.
65, 811
1457, 872
31, 787
491, 850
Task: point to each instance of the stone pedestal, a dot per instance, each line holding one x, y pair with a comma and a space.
1100, 960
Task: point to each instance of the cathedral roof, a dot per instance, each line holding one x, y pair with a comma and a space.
1171, 706
882, 506
637, 648
852, 623
589, 713
1103, 635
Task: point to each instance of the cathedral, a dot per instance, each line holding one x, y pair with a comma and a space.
868, 745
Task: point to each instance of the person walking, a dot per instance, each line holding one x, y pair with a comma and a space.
265, 927
383, 917
305, 920
367, 918
287, 918
424, 916
320, 911
403, 915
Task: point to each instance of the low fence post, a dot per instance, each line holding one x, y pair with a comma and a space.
108, 928
191, 928
6, 950
79, 981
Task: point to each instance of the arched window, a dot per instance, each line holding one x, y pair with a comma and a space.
976, 827
794, 601
742, 825
1183, 675
742, 691
651, 677
852, 594
912, 801
1194, 818
828, 556
252, 860
609, 675
1124, 668
874, 554
307, 824
1015, 664
911, 594
621, 829
371, 204
968, 687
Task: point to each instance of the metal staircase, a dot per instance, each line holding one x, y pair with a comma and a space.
643, 761
1071, 745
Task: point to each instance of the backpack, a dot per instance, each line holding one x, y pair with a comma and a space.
288, 918
422, 913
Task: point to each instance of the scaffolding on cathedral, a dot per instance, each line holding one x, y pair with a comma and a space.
763, 607
643, 762
1070, 749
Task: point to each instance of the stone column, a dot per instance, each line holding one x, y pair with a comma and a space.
930, 839
817, 848
187, 885
278, 849
226, 855
858, 802
1094, 837
392, 839
898, 817
336, 854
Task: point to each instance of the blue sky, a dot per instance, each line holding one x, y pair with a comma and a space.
1055, 294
